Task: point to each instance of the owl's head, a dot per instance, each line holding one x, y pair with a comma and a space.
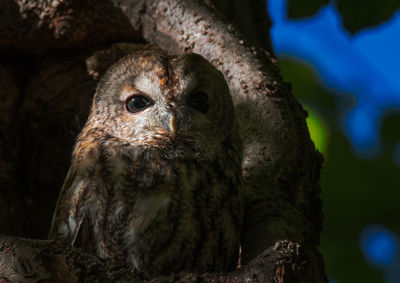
149, 98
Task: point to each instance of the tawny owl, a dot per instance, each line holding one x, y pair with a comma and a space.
155, 180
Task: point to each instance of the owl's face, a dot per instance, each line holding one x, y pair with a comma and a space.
151, 99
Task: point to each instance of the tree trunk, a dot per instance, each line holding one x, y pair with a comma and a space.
53, 53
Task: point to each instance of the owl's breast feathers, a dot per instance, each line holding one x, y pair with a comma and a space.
156, 209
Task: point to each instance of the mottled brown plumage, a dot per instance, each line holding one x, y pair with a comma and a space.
155, 180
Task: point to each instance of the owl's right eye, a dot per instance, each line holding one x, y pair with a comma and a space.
137, 103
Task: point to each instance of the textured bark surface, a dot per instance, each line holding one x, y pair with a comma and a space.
52, 54
43, 27
23, 260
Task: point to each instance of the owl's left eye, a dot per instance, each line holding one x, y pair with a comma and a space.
137, 103
198, 100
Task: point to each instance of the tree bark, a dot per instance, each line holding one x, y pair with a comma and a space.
54, 42
26, 260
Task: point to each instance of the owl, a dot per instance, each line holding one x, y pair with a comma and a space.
155, 178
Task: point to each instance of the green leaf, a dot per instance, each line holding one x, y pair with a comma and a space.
307, 8
357, 15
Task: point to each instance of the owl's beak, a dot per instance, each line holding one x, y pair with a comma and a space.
172, 125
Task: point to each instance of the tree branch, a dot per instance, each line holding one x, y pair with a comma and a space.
43, 27
24, 260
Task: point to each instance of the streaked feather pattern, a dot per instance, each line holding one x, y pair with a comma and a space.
138, 195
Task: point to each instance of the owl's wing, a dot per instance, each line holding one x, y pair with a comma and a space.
70, 221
